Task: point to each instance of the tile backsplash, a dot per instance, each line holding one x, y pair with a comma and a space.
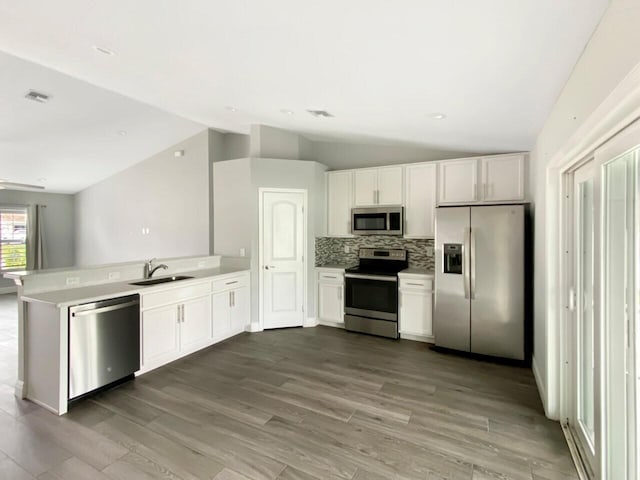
331, 249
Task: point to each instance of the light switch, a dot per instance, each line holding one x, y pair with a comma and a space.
429, 251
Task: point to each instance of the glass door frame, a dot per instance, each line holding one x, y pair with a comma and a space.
622, 144
585, 446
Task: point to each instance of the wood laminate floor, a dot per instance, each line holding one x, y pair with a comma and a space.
295, 404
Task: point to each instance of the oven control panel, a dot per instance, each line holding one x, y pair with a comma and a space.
383, 253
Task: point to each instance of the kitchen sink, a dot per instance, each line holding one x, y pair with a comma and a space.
156, 281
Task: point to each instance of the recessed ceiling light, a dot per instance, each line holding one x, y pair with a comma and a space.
320, 113
437, 116
231, 109
122, 133
287, 112
104, 50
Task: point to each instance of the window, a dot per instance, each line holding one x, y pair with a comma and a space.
13, 238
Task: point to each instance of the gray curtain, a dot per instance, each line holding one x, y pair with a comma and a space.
36, 258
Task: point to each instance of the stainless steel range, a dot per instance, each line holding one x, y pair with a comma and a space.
371, 292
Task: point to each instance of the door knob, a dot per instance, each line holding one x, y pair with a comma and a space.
266, 267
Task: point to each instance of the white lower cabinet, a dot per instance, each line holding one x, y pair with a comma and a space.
331, 297
230, 312
199, 315
160, 335
416, 308
195, 325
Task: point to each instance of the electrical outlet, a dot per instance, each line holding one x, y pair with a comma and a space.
73, 281
114, 275
346, 249
243, 252
429, 251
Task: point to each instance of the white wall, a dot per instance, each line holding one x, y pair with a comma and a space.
167, 195
609, 56
58, 225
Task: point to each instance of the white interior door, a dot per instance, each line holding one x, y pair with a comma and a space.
282, 256
582, 414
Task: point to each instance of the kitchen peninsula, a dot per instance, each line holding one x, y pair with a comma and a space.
208, 303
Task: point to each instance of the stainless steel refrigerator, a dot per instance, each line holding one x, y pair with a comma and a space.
480, 303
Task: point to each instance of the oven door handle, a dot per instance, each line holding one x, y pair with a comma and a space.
372, 277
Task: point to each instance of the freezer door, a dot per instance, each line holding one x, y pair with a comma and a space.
497, 281
452, 327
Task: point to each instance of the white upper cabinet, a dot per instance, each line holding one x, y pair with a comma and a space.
502, 178
458, 181
420, 200
378, 186
339, 203
366, 187
390, 186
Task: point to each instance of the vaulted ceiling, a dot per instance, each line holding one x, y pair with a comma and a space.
383, 69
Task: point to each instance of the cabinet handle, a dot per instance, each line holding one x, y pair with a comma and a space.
233, 299
329, 276
230, 304
231, 283
416, 284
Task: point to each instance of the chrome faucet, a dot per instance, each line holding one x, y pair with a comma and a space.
149, 269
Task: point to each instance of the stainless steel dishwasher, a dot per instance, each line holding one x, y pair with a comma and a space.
104, 343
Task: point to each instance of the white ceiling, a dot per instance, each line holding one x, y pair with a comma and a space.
72, 141
495, 67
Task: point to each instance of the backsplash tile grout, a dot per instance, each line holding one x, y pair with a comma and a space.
331, 249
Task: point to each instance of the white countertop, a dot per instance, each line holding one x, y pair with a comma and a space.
74, 296
417, 271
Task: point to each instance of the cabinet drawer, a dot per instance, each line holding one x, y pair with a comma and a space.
419, 283
236, 281
331, 277
174, 295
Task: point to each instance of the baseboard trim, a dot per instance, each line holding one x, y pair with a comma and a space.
310, 322
542, 391
13, 289
18, 389
253, 327
417, 338
45, 406
326, 323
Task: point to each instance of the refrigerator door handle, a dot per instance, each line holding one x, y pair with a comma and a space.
466, 250
472, 263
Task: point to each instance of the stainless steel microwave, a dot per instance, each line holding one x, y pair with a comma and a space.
377, 221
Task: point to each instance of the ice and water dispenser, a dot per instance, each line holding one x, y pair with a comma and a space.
452, 258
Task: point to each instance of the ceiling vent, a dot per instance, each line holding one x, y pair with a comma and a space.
37, 96
320, 113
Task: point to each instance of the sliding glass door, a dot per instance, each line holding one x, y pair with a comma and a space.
620, 294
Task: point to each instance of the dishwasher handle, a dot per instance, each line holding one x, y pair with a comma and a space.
110, 308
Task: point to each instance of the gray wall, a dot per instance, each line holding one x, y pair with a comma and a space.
236, 185
58, 224
345, 155
167, 195
271, 142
